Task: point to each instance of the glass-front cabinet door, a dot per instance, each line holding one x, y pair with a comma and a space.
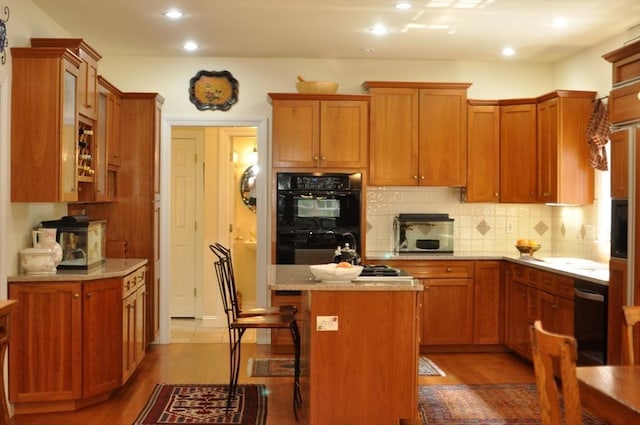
69, 150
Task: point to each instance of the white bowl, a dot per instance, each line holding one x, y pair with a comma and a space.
331, 273
38, 261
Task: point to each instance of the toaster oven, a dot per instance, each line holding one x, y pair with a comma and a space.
423, 233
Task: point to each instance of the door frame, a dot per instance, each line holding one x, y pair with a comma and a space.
262, 251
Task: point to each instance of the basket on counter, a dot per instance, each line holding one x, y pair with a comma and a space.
528, 249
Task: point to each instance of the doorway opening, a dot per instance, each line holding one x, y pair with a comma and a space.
206, 162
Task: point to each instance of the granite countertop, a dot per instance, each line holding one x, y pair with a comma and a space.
577, 268
299, 278
112, 267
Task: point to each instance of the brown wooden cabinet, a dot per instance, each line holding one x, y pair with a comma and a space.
483, 139
133, 321
534, 294
447, 300
320, 131
518, 151
563, 171
488, 303
617, 297
619, 164
108, 137
88, 77
134, 221
44, 132
418, 133
624, 105
67, 343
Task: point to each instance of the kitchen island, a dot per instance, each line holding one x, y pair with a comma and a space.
359, 347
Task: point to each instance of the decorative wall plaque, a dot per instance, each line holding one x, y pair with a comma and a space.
213, 90
4, 42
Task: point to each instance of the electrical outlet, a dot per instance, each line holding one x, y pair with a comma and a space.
509, 227
326, 323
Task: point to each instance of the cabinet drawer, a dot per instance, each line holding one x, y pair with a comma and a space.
624, 105
132, 281
564, 287
452, 269
547, 282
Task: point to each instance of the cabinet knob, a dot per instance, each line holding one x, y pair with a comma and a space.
496, 194
315, 158
323, 158
415, 177
449, 269
76, 295
421, 177
89, 294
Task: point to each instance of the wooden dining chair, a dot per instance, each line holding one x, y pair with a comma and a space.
631, 317
238, 324
548, 349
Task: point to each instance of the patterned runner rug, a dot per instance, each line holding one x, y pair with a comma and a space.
284, 367
485, 404
203, 405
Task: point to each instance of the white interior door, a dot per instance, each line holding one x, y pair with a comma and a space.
186, 272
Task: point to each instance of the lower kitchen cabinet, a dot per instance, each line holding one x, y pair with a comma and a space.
447, 300
67, 346
134, 308
534, 294
488, 303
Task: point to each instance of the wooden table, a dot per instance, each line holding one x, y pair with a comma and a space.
611, 392
5, 311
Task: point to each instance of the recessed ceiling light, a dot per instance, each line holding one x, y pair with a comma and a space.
508, 51
379, 30
403, 5
190, 46
173, 14
559, 22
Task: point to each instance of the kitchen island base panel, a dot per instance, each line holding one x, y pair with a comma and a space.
366, 370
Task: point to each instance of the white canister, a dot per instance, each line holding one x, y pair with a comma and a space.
38, 261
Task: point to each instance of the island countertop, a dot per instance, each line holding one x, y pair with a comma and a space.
112, 267
299, 278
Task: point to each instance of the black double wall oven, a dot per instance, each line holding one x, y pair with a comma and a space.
316, 213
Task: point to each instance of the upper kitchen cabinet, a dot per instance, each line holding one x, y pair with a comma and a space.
319, 131
418, 133
518, 150
564, 174
108, 137
483, 159
88, 77
44, 125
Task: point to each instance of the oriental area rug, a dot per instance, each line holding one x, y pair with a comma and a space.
204, 405
284, 367
486, 404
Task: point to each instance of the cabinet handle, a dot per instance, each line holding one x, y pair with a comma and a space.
449, 270
421, 177
415, 177
76, 295
323, 158
496, 194
315, 157
89, 294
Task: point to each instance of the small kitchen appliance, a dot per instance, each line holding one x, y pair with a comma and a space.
83, 241
423, 233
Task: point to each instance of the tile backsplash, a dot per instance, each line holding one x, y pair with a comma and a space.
489, 228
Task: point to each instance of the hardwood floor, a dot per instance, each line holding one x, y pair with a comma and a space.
208, 363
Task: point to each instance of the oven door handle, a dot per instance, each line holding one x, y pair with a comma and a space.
588, 295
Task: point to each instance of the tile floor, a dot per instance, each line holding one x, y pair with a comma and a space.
192, 331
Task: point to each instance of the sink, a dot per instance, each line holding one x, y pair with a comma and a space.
251, 244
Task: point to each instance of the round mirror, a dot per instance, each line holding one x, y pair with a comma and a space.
248, 187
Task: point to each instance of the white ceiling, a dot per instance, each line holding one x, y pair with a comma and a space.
339, 28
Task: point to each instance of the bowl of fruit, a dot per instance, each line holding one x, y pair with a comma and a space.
527, 247
335, 272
